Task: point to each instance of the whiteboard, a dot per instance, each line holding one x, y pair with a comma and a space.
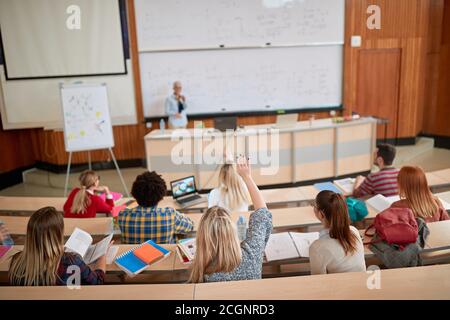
87, 123
239, 80
181, 24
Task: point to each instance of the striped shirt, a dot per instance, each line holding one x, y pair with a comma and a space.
382, 182
140, 224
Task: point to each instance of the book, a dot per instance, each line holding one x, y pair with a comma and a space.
4, 250
187, 247
148, 253
80, 242
327, 186
182, 256
289, 245
345, 185
132, 265
380, 202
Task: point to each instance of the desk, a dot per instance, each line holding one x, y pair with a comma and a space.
302, 152
431, 282
94, 226
104, 292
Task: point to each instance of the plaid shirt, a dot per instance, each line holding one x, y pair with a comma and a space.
140, 224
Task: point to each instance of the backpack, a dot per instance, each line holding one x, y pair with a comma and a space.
357, 209
396, 226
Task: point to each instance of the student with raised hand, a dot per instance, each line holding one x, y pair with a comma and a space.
416, 195
382, 182
83, 202
339, 247
232, 194
43, 261
147, 221
219, 255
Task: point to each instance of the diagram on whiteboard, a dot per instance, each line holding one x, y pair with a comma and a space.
87, 123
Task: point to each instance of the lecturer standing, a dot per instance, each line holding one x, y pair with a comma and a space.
176, 108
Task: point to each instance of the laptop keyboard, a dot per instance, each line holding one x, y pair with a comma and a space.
189, 199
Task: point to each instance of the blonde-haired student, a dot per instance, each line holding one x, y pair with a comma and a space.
232, 194
416, 195
339, 247
83, 202
43, 261
219, 254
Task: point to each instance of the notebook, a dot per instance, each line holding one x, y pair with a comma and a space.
80, 242
380, 202
187, 247
132, 265
116, 196
148, 253
346, 184
289, 245
327, 186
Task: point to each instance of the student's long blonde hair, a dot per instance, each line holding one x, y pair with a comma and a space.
218, 247
81, 200
413, 188
232, 188
37, 264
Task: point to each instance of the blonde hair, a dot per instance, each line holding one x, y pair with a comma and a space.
413, 188
231, 187
38, 263
218, 247
81, 200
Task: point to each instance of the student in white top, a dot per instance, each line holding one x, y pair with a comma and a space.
232, 194
339, 247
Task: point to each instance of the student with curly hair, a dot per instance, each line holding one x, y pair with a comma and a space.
147, 221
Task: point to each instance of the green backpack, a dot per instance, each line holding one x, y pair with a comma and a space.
357, 209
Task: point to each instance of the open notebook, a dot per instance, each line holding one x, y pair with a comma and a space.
289, 245
80, 242
381, 203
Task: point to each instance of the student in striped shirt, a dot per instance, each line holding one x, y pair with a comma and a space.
382, 182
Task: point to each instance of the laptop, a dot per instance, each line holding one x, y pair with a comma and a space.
225, 123
286, 120
185, 193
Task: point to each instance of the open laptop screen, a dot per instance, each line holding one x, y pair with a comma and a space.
183, 187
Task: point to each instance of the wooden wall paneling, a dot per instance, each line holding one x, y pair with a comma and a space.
378, 86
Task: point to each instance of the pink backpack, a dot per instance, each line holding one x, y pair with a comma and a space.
396, 226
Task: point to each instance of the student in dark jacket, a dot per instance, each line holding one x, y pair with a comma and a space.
43, 261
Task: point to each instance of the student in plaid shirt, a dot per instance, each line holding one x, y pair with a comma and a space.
147, 221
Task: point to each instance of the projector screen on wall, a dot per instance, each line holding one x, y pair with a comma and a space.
61, 38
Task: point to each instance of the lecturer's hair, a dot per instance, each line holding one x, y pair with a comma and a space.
334, 208
81, 201
218, 247
38, 263
232, 188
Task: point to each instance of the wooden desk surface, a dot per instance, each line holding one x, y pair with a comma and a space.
104, 292
443, 174
94, 226
431, 282
30, 203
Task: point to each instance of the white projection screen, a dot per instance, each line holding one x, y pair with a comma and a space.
38, 43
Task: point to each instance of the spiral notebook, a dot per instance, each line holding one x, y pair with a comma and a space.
132, 265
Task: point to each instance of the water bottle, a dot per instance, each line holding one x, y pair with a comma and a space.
7, 240
241, 228
162, 125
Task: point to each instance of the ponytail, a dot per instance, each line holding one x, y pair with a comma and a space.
335, 210
82, 200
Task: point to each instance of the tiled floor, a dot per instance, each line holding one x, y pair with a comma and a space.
42, 183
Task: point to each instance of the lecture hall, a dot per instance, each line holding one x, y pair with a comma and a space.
225, 150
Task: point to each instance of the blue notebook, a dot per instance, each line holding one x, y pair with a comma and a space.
131, 264
327, 186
